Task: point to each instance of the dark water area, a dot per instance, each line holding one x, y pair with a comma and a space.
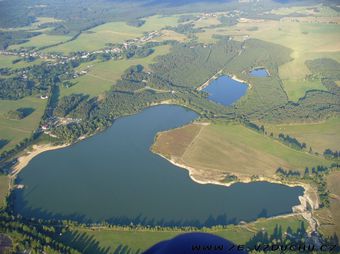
113, 176
259, 73
225, 90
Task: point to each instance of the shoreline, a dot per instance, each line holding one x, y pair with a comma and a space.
302, 209
24, 159
232, 76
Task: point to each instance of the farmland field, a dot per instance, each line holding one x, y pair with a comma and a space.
329, 217
42, 40
320, 136
102, 75
230, 148
7, 62
15, 131
114, 32
334, 188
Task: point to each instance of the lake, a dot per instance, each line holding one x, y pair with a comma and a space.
260, 72
225, 90
114, 176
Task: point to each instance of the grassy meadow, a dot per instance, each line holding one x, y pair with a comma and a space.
334, 188
7, 62
329, 217
42, 40
111, 240
320, 136
170, 35
231, 148
316, 10
113, 32
14, 131
204, 22
102, 75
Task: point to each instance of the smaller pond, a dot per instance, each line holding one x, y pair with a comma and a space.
225, 90
260, 72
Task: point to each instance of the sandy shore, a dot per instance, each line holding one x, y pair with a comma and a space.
234, 77
308, 202
29, 155
205, 84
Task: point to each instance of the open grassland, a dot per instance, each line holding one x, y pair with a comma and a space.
207, 21
230, 148
307, 40
329, 218
42, 40
14, 131
102, 75
320, 136
170, 35
333, 185
4, 182
7, 62
113, 32
111, 240
315, 10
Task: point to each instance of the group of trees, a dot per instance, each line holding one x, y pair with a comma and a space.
317, 175
187, 28
136, 22
137, 51
19, 113
329, 154
254, 126
292, 142
15, 88
34, 80
34, 236
68, 103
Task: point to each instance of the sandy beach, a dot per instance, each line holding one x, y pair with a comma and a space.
30, 154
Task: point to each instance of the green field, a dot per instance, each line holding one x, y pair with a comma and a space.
92, 240
321, 10
170, 35
15, 131
7, 62
329, 217
4, 182
320, 136
113, 32
102, 75
204, 22
42, 40
334, 188
231, 148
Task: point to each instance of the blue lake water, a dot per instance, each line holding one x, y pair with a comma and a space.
114, 176
225, 90
261, 72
